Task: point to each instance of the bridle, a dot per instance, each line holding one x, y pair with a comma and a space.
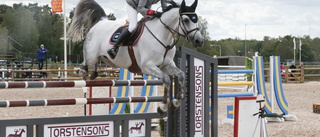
173, 32
185, 31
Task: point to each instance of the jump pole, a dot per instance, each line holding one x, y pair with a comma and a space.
78, 101
234, 83
81, 83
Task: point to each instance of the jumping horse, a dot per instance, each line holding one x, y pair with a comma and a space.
153, 53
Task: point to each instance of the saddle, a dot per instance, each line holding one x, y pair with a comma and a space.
133, 38
129, 42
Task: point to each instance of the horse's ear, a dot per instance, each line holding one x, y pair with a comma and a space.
194, 5
183, 6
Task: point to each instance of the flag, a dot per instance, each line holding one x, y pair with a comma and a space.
294, 43
300, 45
56, 6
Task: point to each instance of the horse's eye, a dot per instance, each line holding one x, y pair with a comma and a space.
186, 20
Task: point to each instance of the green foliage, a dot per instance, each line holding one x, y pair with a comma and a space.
22, 26
162, 127
127, 108
32, 25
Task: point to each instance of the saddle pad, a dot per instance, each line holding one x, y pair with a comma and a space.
132, 40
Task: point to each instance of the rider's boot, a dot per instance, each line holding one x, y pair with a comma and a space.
114, 50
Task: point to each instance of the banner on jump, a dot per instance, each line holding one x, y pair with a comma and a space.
137, 128
92, 129
16, 131
199, 97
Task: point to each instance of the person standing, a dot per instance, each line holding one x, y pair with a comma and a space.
41, 55
293, 66
283, 70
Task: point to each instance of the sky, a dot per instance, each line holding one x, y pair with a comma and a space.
243, 19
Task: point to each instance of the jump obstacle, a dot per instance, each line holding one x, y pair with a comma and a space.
277, 90
260, 86
190, 119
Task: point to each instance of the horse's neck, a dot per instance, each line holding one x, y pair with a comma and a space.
171, 19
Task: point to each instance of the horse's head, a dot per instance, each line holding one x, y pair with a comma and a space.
189, 24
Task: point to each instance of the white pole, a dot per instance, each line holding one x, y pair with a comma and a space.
300, 50
294, 50
245, 40
131, 89
294, 55
65, 38
59, 72
300, 56
272, 61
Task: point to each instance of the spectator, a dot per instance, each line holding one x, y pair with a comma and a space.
283, 70
293, 67
301, 65
41, 55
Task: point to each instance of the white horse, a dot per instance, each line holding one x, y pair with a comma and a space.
153, 53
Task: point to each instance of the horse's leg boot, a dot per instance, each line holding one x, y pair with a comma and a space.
114, 50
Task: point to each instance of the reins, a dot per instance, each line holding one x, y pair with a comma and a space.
168, 47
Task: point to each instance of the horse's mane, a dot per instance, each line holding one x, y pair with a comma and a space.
173, 5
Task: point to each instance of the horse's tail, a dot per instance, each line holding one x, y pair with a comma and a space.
86, 15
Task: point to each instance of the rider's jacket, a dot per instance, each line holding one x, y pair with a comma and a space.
142, 6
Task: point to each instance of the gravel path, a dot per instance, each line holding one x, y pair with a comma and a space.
300, 97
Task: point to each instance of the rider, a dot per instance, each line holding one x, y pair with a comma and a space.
133, 8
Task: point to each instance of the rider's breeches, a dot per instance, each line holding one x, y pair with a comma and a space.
132, 17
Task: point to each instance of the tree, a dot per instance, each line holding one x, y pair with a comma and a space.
268, 47
203, 23
22, 27
307, 54
3, 10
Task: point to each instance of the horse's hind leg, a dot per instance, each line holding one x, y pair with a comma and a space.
94, 73
84, 72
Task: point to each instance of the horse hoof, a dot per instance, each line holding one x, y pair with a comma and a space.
94, 75
175, 103
92, 78
84, 77
160, 111
78, 72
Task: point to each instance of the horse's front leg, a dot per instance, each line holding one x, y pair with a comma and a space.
154, 71
171, 69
